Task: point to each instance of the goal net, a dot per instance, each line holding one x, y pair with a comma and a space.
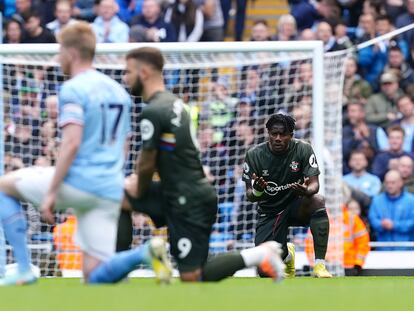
231, 89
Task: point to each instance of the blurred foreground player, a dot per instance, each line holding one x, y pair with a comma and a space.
281, 174
184, 200
95, 121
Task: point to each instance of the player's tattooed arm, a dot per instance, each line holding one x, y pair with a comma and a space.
145, 170
255, 188
308, 188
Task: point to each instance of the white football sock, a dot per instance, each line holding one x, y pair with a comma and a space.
319, 261
252, 257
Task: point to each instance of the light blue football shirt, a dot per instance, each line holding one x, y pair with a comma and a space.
367, 183
102, 107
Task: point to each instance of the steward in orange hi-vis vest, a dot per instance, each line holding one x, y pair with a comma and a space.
356, 243
68, 256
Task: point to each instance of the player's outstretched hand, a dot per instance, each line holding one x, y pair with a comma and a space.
47, 208
259, 183
300, 189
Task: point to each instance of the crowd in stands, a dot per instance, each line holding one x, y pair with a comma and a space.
378, 107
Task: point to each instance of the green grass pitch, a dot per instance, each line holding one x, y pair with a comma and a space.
252, 294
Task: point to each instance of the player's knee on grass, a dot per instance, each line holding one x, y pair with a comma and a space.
262, 274
191, 276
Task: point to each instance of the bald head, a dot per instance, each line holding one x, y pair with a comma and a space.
393, 183
405, 166
307, 34
324, 31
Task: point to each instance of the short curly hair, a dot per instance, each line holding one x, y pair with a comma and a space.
286, 120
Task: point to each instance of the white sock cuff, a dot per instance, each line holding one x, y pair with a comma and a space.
252, 257
319, 261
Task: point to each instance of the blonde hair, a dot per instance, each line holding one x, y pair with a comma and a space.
287, 19
81, 37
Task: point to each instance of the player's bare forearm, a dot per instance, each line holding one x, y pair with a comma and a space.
71, 140
313, 185
145, 170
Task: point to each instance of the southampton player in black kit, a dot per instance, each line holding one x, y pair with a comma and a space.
183, 200
281, 174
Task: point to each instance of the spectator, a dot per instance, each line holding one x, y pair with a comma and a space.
63, 12
214, 21
384, 25
212, 155
51, 103
356, 241
243, 110
107, 26
219, 108
356, 89
324, 33
405, 106
129, 8
22, 7
13, 32
373, 59
373, 7
301, 85
407, 19
381, 108
250, 90
397, 63
84, 9
391, 213
366, 28
394, 8
286, 28
24, 144
35, 33
405, 167
69, 255
150, 26
303, 116
48, 131
351, 10
307, 34
188, 20
359, 178
260, 31
386, 159
341, 36
355, 246
306, 13
29, 101
359, 135
241, 6
7, 8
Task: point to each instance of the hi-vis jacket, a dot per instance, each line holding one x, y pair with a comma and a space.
356, 242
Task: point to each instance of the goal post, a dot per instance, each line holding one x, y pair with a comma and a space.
256, 78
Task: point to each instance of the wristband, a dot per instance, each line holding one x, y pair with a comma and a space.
257, 193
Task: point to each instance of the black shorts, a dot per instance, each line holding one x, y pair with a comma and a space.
189, 220
274, 227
